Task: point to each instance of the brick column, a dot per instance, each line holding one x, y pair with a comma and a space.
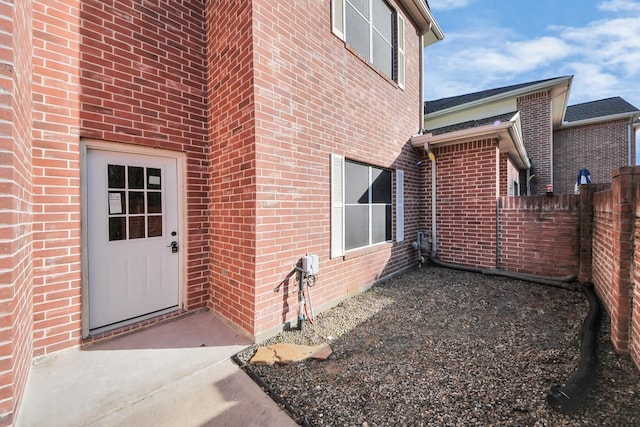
622, 251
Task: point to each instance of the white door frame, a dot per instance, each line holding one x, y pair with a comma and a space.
86, 144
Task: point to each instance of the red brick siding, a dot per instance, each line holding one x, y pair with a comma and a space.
540, 235
535, 110
599, 147
270, 191
16, 283
139, 79
466, 203
635, 315
504, 174
56, 175
232, 168
313, 98
612, 257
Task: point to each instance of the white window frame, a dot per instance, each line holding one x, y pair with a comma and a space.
338, 207
339, 25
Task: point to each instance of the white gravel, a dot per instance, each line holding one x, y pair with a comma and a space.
440, 347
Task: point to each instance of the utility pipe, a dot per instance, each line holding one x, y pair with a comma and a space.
434, 234
561, 282
629, 150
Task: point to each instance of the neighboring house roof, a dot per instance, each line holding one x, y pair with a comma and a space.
506, 128
475, 97
474, 123
600, 110
487, 103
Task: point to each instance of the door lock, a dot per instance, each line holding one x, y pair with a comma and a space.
174, 247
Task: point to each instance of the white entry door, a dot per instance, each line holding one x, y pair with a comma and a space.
132, 218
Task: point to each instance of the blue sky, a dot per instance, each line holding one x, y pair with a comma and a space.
495, 43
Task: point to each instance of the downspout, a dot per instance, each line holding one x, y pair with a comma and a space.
421, 79
434, 234
629, 150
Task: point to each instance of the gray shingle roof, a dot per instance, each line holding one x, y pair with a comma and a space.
473, 123
601, 108
454, 101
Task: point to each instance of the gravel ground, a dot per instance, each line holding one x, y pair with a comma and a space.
440, 347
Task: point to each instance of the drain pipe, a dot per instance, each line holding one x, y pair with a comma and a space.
434, 234
567, 283
573, 395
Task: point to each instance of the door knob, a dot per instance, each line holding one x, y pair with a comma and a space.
174, 247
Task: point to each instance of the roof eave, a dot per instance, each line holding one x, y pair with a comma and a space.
632, 116
427, 24
507, 134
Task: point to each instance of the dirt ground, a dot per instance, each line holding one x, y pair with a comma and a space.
441, 347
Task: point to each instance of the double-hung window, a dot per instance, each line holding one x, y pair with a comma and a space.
375, 31
362, 205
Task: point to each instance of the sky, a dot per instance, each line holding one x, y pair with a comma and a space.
495, 43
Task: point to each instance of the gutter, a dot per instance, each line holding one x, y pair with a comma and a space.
423, 17
632, 115
450, 138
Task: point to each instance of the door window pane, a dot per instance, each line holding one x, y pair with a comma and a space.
136, 227
136, 202
117, 204
154, 202
136, 177
115, 176
154, 224
153, 179
117, 230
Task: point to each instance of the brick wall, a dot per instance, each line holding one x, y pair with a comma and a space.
311, 97
540, 235
16, 277
635, 315
124, 72
466, 203
232, 168
535, 110
600, 147
56, 212
613, 252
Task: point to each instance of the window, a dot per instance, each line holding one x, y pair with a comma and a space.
375, 30
361, 205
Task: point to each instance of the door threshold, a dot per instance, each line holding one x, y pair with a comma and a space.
132, 325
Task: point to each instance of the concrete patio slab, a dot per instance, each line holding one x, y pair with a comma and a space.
176, 373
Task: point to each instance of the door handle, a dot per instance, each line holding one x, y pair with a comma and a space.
174, 247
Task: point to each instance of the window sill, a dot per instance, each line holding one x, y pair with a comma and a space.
356, 253
370, 65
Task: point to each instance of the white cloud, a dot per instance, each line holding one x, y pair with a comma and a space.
591, 82
448, 4
619, 6
612, 45
603, 56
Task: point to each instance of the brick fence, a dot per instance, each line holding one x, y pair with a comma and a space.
539, 235
615, 228
595, 236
